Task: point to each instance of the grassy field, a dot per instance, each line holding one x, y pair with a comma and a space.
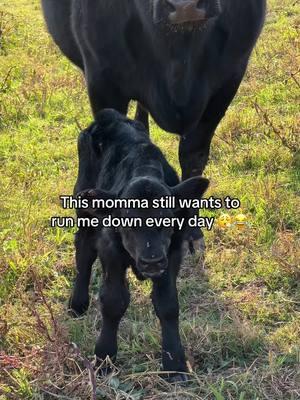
240, 318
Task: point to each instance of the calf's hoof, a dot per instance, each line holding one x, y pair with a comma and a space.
104, 367
104, 371
177, 377
77, 309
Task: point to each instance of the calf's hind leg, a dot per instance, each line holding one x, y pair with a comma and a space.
86, 254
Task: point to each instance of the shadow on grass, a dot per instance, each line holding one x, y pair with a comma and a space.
226, 354
228, 357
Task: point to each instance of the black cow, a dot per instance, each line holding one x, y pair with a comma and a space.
118, 160
182, 60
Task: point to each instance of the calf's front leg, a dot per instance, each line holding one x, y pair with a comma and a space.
165, 301
114, 300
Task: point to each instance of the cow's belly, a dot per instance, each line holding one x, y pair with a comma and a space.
174, 118
176, 111
178, 95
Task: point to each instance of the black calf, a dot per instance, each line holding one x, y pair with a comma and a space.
117, 160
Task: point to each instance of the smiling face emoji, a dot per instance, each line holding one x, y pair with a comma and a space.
241, 221
224, 221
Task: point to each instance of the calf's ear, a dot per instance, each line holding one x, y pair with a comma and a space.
192, 188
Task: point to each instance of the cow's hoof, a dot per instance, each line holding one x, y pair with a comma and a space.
197, 246
178, 378
194, 240
194, 248
77, 310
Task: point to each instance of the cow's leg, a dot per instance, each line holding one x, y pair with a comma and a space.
114, 300
103, 94
195, 145
142, 115
85, 256
165, 301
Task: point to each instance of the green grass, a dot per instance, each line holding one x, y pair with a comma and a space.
240, 318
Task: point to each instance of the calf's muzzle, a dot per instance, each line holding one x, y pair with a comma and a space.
152, 267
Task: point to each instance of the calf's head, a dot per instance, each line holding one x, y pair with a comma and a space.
149, 246
178, 12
